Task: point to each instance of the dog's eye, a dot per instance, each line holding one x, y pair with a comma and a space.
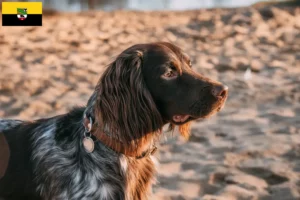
171, 71
170, 74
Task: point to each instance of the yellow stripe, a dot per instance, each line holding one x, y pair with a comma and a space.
32, 7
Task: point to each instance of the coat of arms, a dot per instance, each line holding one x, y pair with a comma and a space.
22, 13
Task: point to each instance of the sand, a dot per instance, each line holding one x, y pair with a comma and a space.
248, 151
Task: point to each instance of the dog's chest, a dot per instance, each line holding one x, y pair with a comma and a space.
139, 176
65, 171
128, 179
90, 178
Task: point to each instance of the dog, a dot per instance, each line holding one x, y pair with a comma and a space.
105, 150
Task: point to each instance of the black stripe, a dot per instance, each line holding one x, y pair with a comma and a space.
12, 20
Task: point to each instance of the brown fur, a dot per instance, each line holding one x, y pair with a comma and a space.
122, 98
139, 178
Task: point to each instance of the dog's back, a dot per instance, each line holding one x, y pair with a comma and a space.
6, 124
45, 159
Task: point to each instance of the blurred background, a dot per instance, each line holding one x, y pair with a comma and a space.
108, 5
248, 151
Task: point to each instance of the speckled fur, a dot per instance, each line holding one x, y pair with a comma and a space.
6, 124
64, 170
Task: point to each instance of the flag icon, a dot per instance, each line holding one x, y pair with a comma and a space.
22, 13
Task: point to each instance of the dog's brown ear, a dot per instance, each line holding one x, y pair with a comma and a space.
124, 106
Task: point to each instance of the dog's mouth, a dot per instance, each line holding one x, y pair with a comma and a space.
203, 113
181, 118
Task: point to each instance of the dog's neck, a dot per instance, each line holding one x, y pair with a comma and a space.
114, 143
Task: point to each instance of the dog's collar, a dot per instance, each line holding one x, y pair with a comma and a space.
107, 139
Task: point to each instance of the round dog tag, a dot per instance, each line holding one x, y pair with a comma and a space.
88, 144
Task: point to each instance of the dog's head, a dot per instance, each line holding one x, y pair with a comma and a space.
149, 85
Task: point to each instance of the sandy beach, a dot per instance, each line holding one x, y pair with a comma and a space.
248, 151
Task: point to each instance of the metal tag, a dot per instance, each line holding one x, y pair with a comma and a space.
88, 144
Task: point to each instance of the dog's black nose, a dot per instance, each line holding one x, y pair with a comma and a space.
220, 91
